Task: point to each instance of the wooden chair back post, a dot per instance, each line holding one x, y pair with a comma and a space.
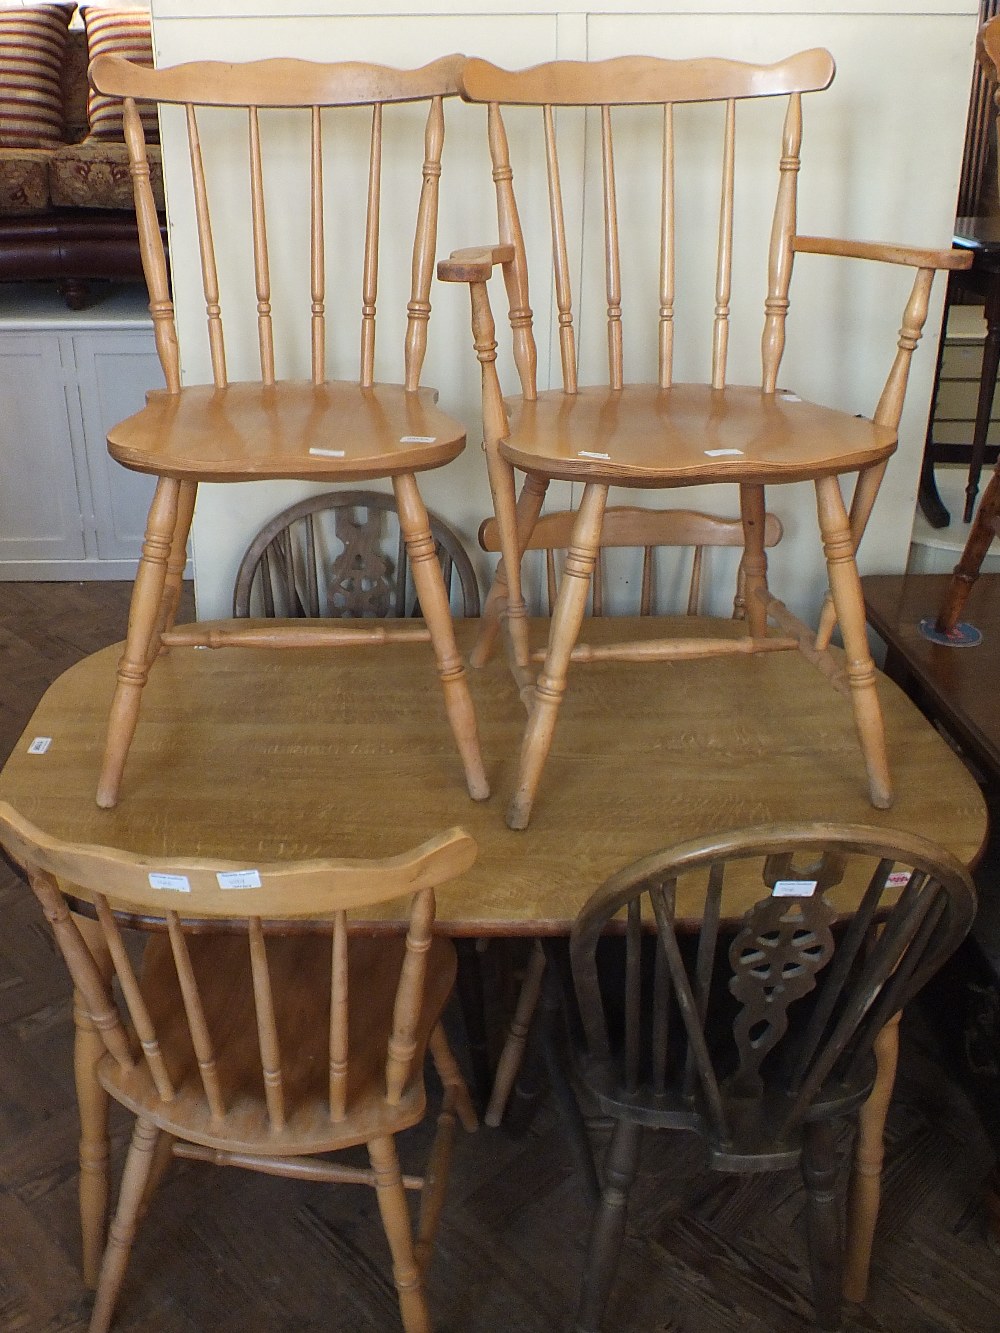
291, 568
305, 88
311, 895
634, 81
739, 1038
627, 527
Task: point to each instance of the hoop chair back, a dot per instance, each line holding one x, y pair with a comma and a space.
746, 1036
344, 554
627, 526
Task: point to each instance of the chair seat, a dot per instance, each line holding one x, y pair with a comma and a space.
251, 431
643, 435
300, 980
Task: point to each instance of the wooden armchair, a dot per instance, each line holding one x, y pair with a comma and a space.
263, 1040
744, 1008
260, 133
666, 435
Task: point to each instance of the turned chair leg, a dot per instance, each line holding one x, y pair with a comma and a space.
138, 1165
607, 1232
433, 596
92, 1108
171, 596
978, 542
571, 604
529, 506
753, 567
517, 1035
142, 640
845, 585
819, 1171
406, 1272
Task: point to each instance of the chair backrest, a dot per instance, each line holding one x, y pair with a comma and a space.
627, 526
285, 106
640, 81
189, 896
757, 996
343, 554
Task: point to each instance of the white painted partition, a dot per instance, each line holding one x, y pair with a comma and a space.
881, 158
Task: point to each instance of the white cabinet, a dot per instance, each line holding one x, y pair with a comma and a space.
67, 510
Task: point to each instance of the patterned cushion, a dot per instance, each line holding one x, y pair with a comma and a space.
32, 45
24, 181
95, 174
118, 32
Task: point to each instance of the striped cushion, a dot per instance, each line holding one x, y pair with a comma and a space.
118, 32
32, 46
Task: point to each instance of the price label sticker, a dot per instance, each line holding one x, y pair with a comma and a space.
592, 453
790, 398
40, 744
178, 883
899, 879
238, 879
418, 439
723, 453
794, 888
327, 453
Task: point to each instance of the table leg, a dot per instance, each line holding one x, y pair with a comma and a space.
865, 1189
469, 984
987, 389
927, 493
92, 1106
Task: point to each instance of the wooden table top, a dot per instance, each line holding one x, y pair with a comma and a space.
964, 683
257, 755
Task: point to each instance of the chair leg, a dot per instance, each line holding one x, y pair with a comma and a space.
845, 585
141, 643
396, 1221
753, 568
529, 506
92, 1108
456, 1098
451, 1077
429, 584
138, 1165
865, 1190
607, 1231
819, 1171
554, 1042
517, 1034
567, 618
469, 987
866, 491
977, 543
178, 559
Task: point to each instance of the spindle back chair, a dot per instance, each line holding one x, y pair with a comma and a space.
343, 553
667, 434
258, 1032
753, 1028
648, 530
264, 424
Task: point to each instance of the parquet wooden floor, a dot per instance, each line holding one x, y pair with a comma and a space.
230, 1252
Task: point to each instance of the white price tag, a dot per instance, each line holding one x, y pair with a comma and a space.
723, 453
179, 883
238, 879
790, 398
327, 453
40, 744
590, 453
794, 888
417, 439
899, 879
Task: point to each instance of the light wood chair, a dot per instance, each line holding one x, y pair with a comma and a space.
263, 1040
344, 554
270, 427
666, 434
648, 530
758, 1043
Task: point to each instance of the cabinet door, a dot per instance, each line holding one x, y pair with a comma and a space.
115, 370
40, 512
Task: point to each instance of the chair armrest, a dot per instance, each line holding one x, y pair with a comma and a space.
473, 265
887, 253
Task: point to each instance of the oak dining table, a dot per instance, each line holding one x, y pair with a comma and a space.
255, 755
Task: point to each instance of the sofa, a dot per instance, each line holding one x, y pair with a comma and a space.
66, 211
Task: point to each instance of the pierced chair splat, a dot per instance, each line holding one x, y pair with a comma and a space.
263, 1041
267, 426
667, 434
744, 1007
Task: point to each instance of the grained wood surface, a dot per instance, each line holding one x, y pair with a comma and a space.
702, 1255
280, 755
